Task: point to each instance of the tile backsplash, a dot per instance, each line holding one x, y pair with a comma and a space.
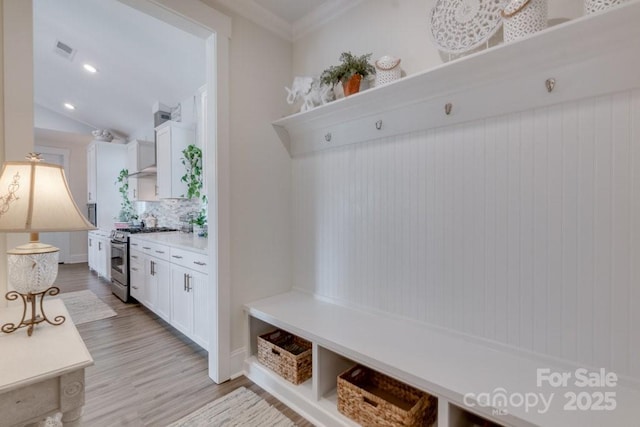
168, 211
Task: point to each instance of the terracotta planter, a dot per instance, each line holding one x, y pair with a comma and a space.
352, 85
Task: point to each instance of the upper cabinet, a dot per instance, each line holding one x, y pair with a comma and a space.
171, 139
586, 57
141, 162
105, 160
140, 155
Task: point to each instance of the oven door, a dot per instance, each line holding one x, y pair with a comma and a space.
119, 262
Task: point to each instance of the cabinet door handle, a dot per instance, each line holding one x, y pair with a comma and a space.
90, 243
146, 247
89, 195
176, 256
134, 269
134, 193
133, 244
153, 268
134, 287
159, 252
188, 283
156, 190
134, 256
199, 263
184, 281
99, 246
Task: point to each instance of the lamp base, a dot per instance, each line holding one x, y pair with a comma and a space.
29, 300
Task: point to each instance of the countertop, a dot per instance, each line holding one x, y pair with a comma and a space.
188, 241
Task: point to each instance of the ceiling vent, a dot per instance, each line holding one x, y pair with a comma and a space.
64, 50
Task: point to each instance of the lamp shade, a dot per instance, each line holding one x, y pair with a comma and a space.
35, 197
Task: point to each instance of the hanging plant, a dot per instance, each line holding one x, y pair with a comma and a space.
127, 212
192, 162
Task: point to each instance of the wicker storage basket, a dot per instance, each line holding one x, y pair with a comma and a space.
371, 398
523, 17
286, 354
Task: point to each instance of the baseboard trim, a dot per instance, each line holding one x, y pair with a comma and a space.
76, 259
236, 362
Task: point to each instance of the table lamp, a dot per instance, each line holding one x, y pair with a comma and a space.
34, 198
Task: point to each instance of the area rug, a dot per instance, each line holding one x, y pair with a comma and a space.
85, 306
240, 408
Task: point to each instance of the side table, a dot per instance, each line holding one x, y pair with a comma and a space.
42, 374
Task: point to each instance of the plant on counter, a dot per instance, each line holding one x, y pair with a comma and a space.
127, 213
348, 71
192, 162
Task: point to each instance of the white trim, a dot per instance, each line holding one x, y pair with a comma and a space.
215, 27
321, 16
184, 14
236, 363
261, 16
77, 259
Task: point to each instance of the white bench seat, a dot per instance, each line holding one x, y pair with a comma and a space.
447, 365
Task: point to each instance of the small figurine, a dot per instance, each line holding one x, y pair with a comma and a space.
311, 91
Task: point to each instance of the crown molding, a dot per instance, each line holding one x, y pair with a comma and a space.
321, 16
261, 16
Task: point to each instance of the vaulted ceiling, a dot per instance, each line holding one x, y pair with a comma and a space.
140, 61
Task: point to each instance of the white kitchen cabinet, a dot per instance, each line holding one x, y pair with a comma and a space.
173, 283
157, 293
171, 139
91, 252
137, 277
105, 160
182, 307
141, 160
99, 253
152, 277
189, 290
189, 311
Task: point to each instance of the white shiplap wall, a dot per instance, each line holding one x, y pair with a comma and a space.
522, 229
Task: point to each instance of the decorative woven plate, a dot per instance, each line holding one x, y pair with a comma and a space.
462, 25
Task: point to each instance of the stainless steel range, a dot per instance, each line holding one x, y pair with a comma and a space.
120, 258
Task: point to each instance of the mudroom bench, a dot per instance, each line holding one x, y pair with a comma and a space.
459, 370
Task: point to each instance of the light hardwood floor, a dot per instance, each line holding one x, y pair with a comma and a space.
145, 373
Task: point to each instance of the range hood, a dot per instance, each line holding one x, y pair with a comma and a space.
148, 171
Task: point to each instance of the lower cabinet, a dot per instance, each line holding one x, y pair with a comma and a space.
189, 311
137, 277
158, 291
171, 289
99, 253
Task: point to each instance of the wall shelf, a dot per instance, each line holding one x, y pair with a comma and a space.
589, 56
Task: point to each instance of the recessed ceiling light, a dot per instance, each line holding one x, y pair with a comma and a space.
90, 68
69, 106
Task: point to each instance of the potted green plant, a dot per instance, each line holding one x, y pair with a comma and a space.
350, 72
192, 162
127, 212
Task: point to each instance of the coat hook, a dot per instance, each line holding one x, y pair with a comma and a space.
327, 137
448, 107
550, 84
379, 124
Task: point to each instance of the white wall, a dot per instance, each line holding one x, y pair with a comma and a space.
17, 39
260, 67
77, 178
382, 27
521, 229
